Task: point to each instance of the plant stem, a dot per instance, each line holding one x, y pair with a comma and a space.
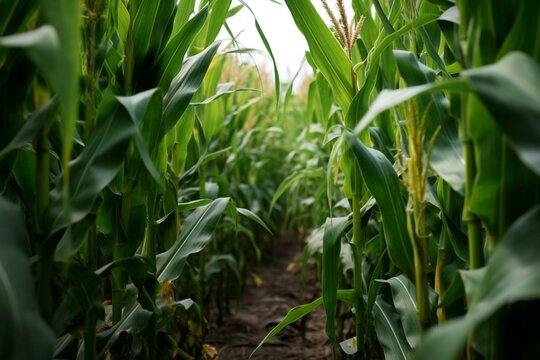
117, 294
422, 301
439, 282
44, 282
152, 345
42, 186
120, 251
130, 61
93, 14
474, 227
420, 273
45, 253
358, 250
202, 254
90, 322
416, 216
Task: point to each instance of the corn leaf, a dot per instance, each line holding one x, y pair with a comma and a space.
183, 10
140, 272
327, 54
513, 274
333, 230
277, 82
144, 110
184, 86
95, 167
512, 99
404, 297
197, 230
44, 47
502, 188
382, 181
218, 14
298, 312
134, 321
64, 16
18, 308
390, 332
150, 20
293, 315
30, 129
292, 179
253, 217
171, 58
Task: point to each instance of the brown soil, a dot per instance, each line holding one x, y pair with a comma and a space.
262, 307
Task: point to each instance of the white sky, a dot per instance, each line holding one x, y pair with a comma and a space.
286, 41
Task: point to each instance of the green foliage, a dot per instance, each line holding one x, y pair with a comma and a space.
445, 113
142, 171
107, 153
510, 276
18, 307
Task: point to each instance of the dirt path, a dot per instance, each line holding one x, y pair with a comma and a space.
261, 308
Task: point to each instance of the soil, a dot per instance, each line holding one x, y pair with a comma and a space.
264, 303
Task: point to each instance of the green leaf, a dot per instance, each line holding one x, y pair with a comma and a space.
502, 189
292, 179
144, 110
389, 331
387, 99
362, 98
134, 321
75, 235
327, 54
218, 14
293, 315
44, 46
333, 230
171, 58
214, 266
384, 19
492, 83
31, 128
184, 86
95, 167
510, 92
513, 274
197, 230
277, 82
150, 20
64, 15
300, 311
252, 216
193, 204
19, 312
183, 11
140, 271
85, 289
382, 181
404, 296
222, 92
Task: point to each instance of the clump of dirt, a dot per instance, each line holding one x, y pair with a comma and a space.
266, 300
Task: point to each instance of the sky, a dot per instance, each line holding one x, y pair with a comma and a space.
287, 43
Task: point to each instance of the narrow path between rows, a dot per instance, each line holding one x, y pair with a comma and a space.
262, 307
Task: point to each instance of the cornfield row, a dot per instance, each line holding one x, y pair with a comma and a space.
144, 168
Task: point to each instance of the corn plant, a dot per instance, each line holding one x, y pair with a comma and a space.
116, 124
443, 190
